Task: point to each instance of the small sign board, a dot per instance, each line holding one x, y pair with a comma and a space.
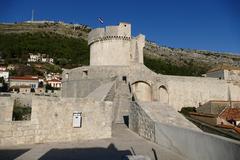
77, 119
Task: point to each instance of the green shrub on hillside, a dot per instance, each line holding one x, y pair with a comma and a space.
165, 67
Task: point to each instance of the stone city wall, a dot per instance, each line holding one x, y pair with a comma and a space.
180, 91
6, 108
76, 83
51, 121
133, 73
190, 91
22, 100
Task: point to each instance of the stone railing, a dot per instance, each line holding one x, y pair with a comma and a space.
191, 144
111, 93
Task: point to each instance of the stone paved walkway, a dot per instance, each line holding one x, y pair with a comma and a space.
123, 142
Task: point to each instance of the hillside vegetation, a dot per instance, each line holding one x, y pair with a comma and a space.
15, 47
67, 44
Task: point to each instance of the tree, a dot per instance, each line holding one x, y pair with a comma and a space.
40, 84
3, 86
49, 87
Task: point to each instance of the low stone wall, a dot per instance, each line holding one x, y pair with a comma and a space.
196, 145
192, 144
51, 121
141, 123
213, 120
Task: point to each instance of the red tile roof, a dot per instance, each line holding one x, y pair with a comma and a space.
231, 113
54, 80
24, 78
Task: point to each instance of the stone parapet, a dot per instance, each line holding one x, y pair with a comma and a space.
120, 32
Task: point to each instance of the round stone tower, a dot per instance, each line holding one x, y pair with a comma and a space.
114, 45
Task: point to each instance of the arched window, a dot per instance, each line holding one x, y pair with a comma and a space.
163, 95
142, 91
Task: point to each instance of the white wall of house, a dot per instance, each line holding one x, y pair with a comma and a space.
5, 75
55, 84
216, 74
32, 83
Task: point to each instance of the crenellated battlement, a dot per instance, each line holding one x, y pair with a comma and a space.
114, 45
120, 32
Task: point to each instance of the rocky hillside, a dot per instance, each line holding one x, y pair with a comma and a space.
67, 43
197, 61
68, 30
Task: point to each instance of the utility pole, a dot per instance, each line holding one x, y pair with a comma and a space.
229, 97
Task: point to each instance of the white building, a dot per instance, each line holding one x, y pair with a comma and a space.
225, 73
34, 57
55, 83
2, 68
39, 58
24, 81
51, 60
44, 60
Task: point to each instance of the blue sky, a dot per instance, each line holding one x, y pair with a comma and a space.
198, 24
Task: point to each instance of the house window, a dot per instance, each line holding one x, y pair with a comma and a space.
33, 86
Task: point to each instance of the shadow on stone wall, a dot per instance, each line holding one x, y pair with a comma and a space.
8, 154
109, 153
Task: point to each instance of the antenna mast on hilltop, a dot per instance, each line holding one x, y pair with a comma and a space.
32, 15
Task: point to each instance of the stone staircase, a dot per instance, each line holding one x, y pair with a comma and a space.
121, 102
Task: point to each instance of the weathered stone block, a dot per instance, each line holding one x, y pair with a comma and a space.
28, 132
17, 133
7, 134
